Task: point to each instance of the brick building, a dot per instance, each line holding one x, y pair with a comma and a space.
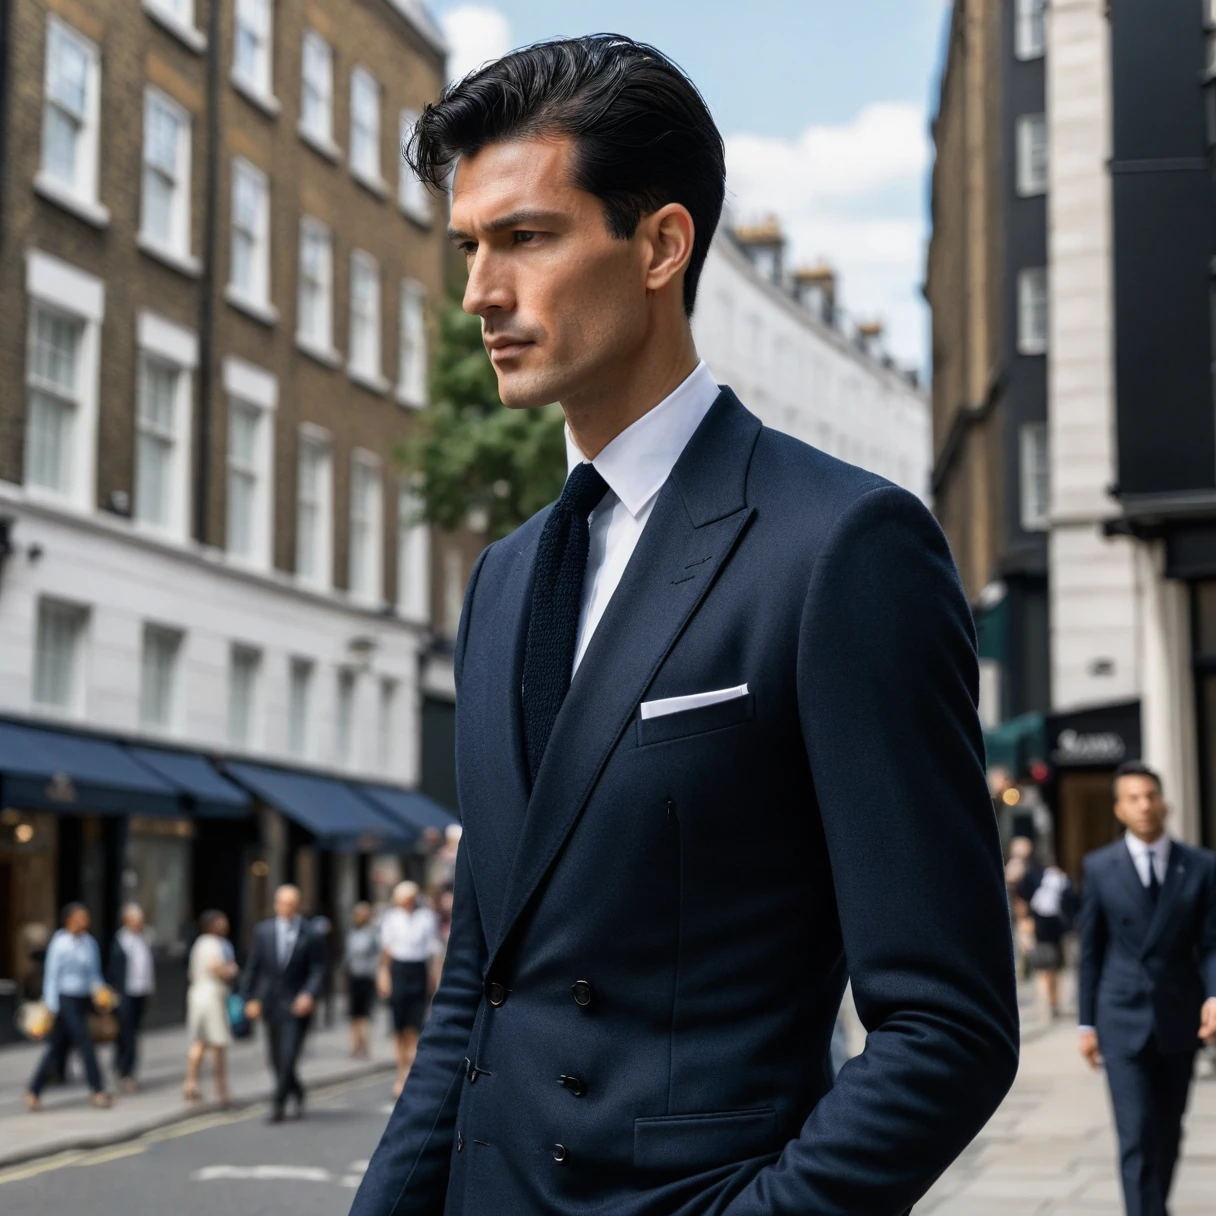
217, 281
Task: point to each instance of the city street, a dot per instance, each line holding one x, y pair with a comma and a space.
217, 1164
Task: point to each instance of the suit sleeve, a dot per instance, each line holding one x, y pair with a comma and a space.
1208, 945
1093, 949
408, 1173
318, 951
887, 686
251, 972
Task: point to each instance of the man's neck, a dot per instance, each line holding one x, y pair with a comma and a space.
597, 417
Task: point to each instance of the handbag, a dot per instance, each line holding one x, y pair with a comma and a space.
238, 1023
103, 1027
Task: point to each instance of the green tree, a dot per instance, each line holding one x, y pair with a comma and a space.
471, 455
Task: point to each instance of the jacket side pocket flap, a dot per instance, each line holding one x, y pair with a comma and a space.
702, 1141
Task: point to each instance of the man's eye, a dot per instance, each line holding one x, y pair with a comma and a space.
468, 248
523, 238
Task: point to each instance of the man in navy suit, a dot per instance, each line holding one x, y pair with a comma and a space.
717, 636
1147, 981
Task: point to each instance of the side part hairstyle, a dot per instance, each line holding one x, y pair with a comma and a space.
644, 135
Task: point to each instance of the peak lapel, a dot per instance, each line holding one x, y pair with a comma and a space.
700, 513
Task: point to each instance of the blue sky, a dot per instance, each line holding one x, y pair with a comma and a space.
824, 105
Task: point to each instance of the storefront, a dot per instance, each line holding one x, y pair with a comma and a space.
1084, 748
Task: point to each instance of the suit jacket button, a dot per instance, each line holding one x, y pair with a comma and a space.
496, 994
560, 1154
582, 993
576, 1085
459, 1142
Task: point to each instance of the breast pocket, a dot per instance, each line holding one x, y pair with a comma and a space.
696, 721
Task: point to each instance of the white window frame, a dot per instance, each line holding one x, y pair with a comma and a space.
364, 365
413, 360
174, 637
346, 703
366, 135
413, 557
80, 617
1030, 29
252, 297
301, 674
239, 652
80, 195
1034, 460
318, 340
316, 443
1029, 342
254, 388
171, 344
257, 83
61, 288
368, 589
386, 726
175, 248
317, 126
412, 195
177, 16
1032, 170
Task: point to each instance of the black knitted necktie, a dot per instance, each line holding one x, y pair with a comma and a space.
557, 596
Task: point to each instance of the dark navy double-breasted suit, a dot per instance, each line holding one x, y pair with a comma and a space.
649, 945
1145, 971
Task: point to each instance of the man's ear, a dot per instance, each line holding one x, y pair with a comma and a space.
669, 234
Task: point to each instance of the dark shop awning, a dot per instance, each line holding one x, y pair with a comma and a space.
409, 806
62, 770
328, 808
207, 793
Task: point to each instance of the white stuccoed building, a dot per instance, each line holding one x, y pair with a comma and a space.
765, 334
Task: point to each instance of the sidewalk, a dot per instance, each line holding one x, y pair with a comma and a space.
68, 1121
1050, 1149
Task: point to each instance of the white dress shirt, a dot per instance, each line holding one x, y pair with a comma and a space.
141, 974
410, 937
285, 934
1159, 851
636, 464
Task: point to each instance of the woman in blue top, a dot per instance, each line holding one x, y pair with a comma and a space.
71, 979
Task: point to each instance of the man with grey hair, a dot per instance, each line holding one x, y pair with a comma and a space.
132, 974
282, 979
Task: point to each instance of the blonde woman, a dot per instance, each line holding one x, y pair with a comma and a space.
211, 968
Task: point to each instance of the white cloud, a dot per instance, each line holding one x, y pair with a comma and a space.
476, 34
850, 194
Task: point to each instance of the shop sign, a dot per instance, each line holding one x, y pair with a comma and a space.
1102, 736
61, 789
1098, 747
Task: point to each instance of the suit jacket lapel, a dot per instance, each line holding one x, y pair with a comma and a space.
700, 513
1175, 877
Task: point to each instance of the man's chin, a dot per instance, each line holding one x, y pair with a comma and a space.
519, 392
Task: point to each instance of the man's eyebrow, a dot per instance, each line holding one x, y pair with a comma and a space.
514, 219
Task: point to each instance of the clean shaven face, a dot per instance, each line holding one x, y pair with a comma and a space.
561, 300
1140, 807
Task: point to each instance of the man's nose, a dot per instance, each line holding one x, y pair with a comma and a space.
489, 288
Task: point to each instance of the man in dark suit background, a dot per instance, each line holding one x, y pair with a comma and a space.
1147, 981
282, 979
716, 635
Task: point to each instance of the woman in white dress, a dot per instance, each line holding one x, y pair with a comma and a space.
212, 965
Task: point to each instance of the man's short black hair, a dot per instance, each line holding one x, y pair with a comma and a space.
1136, 768
644, 134
69, 910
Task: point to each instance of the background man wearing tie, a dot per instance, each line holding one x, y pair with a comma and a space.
1147, 981
282, 979
716, 635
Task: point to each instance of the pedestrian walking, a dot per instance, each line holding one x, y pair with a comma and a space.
360, 963
409, 940
1050, 903
71, 983
1147, 981
714, 629
132, 975
210, 972
280, 985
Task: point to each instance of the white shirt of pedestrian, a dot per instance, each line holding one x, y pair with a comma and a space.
1159, 851
636, 465
141, 974
410, 937
286, 932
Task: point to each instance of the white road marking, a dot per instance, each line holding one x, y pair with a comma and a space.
351, 1180
358, 1167
262, 1173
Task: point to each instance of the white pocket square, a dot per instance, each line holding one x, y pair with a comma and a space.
696, 700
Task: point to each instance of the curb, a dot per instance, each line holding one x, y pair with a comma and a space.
134, 1131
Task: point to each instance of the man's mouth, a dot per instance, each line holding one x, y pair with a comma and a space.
503, 348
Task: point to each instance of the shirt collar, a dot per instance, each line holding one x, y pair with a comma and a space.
640, 459
1138, 849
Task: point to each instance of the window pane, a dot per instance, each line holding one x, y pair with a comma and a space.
49, 442
385, 740
55, 350
67, 72
242, 690
297, 706
59, 143
158, 206
1032, 311
158, 670
157, 441
57, 655
161, 132
345, 715
243, 478
316, 106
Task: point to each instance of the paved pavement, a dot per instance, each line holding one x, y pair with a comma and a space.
68, 1121
1050, 1149
217, 1164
